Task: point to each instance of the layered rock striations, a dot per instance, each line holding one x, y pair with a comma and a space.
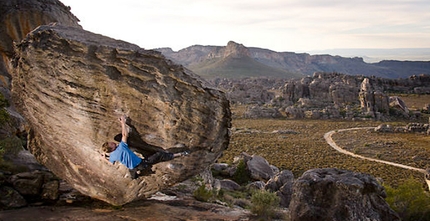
19, 17
72, 85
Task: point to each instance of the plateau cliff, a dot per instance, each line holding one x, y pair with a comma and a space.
213, 61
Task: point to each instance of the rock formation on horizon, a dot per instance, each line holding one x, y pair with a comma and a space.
71, 86
205, 61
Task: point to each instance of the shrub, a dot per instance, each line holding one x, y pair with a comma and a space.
409, 200
241, 175
264, 204
10, 145
4, 116
203, 194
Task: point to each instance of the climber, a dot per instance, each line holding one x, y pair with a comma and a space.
135, 164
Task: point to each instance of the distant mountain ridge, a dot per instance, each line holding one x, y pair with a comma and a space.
237, 61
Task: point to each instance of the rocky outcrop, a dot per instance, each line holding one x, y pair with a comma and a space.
318, 194
333, 194
71, 85
234, 50
261, 112
27, 188
372, 100
19, 17
323, 87
323, 96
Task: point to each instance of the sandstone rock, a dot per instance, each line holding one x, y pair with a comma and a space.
261, 112
71, 85
385, 128
256, 185
278, 180
294, 112
28, 183
417, 127
334, 194
372, 100
282, 184
50, 190
224, 169
228, 184
397, 103
10, 198
19, 17
259, 168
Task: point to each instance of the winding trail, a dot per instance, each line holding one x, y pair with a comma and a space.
330, 141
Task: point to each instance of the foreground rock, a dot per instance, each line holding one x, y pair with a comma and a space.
71, 85
333, 194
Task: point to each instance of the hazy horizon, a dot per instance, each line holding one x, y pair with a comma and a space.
369, 55
278, 25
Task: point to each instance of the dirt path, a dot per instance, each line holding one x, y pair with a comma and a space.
330, 141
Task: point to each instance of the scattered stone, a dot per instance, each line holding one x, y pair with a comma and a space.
254, 112
228, 184
282, 184
50, 190
259, 168
10, 198
258, 185
384, 128
28, 183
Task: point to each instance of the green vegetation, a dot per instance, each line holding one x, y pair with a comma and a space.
8, 145
241, 175
203, 194
264, 204
409, 200
307, 149
4, 116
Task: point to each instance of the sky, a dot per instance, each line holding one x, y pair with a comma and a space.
278, 25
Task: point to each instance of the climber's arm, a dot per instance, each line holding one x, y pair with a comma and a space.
123, 119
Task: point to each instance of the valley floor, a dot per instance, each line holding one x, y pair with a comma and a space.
299, 145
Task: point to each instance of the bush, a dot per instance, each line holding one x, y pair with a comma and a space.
264, 204
203, 194
4, 116
409, 200
241, 175
10, 145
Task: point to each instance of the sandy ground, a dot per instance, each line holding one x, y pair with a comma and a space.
154, 210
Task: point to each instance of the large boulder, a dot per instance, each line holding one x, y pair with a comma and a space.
282, 185
339, 195
259, 168
72, 85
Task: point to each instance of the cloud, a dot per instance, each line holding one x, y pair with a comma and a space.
276, 24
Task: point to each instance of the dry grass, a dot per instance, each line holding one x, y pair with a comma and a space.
415, 101
407, 149
307, 149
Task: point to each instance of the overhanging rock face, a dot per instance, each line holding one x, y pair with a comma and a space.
72, 85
